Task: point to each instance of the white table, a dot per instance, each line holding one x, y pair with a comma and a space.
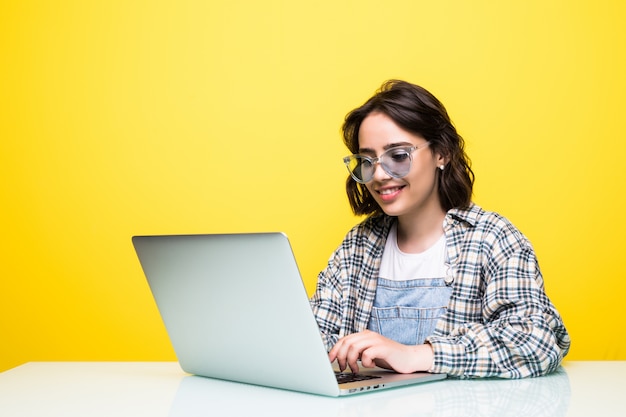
161, 389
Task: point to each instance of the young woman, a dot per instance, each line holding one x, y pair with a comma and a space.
429, 281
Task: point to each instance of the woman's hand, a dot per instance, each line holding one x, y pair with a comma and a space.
376, 350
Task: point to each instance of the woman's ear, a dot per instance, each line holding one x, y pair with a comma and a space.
442, 161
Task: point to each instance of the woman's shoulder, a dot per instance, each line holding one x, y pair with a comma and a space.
476, 216
371, 231
373, 225
489, 228
367, 237
486, 223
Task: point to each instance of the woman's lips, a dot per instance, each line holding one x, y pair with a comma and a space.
389, 193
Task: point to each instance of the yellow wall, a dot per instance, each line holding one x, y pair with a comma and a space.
139, 117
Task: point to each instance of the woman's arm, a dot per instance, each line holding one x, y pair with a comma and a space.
326, 302
521, 334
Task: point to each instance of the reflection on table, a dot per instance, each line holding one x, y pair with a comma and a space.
546, 396
163, 389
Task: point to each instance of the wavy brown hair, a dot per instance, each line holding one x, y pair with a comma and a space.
415, 110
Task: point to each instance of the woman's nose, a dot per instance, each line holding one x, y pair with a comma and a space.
379, 172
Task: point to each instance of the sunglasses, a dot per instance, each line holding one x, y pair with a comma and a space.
395, 161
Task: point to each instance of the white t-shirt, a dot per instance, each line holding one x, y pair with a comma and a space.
399, 266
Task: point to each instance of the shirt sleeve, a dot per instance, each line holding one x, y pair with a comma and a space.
326, 302
519, 333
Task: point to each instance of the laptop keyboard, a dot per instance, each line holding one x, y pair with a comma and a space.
345, 377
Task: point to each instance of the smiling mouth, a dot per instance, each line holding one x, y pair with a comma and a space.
389, 191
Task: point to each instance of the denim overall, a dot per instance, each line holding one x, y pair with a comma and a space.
407, 311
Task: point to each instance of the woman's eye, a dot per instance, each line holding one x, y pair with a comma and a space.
399, 156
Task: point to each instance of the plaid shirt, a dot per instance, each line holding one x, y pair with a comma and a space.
499, 321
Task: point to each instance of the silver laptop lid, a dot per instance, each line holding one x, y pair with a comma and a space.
235, 308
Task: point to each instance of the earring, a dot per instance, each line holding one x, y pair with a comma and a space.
441, 167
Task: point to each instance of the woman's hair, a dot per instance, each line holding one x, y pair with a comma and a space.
417, 111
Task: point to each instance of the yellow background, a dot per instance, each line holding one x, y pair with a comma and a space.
143, 117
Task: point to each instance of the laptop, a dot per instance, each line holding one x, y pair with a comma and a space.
235, 308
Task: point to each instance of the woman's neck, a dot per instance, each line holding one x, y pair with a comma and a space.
418, 232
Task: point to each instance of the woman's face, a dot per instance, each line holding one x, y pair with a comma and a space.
413, 193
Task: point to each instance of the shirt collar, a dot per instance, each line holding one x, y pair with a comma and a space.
468, 215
